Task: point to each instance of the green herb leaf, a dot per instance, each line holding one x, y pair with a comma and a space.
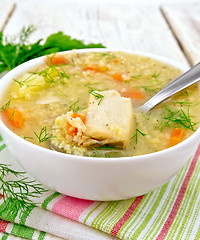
73, 107
137, 76
6, 105
96, 94
19, 191
177, 118
136, 135
155, 76
43, 135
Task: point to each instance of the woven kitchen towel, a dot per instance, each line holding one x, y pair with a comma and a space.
170, 212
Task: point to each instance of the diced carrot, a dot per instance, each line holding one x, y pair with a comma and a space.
176, 136
101, 69
74, 115
132, 93
118, 77
72, 131
57, 60
15, 117
116, 61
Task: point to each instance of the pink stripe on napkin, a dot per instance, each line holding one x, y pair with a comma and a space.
126, 216
71, 207
179, 198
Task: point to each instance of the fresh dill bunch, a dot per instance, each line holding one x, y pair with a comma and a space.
21, 191
16, 50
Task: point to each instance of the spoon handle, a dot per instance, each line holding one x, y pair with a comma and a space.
185, 80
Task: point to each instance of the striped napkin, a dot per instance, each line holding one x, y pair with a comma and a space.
170, 212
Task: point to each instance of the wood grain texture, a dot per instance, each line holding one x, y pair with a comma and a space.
6, 7
185, 23
124, 26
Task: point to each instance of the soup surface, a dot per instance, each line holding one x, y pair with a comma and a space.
37, 105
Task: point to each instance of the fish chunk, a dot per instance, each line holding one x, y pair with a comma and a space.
110, 120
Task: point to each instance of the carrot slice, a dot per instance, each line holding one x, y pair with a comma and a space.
176, 136
118, 77
57, 60
72, 131
15, 117
101, 69
132, 93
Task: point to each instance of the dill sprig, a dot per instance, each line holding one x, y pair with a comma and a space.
150, 90
19, 191
5, 106
155, 76
96, 94
73, 107
43, 135
137, 76
136, 135
186, 103
178, 118
97, 154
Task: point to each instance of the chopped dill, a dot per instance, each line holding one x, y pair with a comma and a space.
89, 85
106, 147
20, 83
96, 95
137, 76
156, 75
97, 154
147, 116
43, 135
185, 92
185, 103
150, 90
12, 115
47, 75
177, 118
73, 107
73, 62
127, 81
62, 94
108, 55
136, 135
27, 138
6, 105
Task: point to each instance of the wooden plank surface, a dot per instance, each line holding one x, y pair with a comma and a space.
185, 23
6, 8
123, 26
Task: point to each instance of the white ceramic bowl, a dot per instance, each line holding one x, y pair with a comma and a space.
97, 178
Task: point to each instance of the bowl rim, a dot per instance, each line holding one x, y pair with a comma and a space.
6, 79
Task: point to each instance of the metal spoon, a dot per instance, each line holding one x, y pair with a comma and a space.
185, 80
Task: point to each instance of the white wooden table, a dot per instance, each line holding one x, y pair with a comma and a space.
168, 29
